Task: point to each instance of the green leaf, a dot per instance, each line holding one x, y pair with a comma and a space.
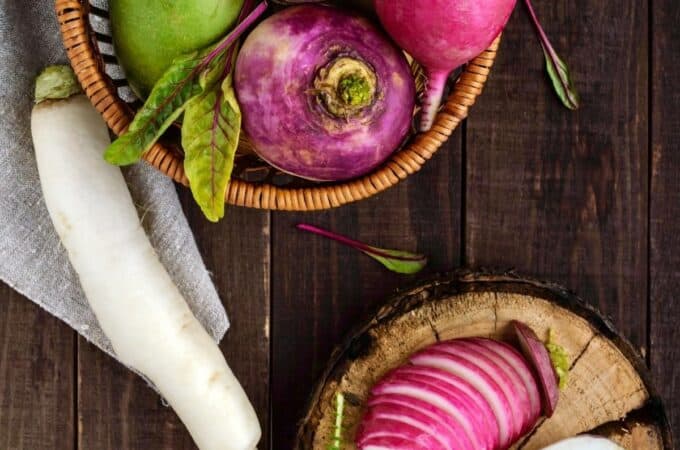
336, 441
178, 85
188, 77
210, 134
561, 80
557, 68
395, 260
398, 261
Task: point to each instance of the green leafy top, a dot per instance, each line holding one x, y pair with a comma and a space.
559, 358
336, 443
210, 135
167, 101
188, 77
198, 85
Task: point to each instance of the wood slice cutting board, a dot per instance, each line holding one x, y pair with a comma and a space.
609, 390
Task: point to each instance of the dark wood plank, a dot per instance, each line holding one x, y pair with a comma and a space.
560, 194
37, 381
665, 206
118, 411
320, 289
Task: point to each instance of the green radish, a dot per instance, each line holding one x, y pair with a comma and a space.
149, 34
140, 309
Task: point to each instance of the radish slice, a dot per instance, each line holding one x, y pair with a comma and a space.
476, 351
390, 443
486, 416
535, 351
585, 442
487, 386
473, 420
437, 415
374, 427
516, 360
399, 413
453, 403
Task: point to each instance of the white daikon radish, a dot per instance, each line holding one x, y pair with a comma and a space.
136, 303
585, 442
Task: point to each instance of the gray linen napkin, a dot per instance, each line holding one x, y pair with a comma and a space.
32, 260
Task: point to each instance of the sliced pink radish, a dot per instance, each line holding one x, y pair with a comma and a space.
478, 352
436, 415
512, 387
516, 360
389, 443
452, 403
494, 394
486, 416
400, 413
474, 420
534, 350
374, 427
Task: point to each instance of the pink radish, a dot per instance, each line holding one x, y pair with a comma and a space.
404, 414
486, 385
442, 35
534, 350
493, 364
494, 376
519, 363
486, 415
471, 415
454, 404
435, 414
375, 427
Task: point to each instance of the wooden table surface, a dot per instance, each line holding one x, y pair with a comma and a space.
589, 199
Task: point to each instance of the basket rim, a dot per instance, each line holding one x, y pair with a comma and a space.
85, 59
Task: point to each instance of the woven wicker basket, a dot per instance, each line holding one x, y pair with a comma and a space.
84, 29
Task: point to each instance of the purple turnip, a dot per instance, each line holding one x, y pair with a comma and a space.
324, 94
442, 35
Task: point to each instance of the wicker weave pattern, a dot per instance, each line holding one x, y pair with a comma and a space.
87, 63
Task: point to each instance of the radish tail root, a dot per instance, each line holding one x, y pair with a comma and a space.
434, 89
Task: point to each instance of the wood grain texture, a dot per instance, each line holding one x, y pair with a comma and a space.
118, 411
320, 289
563, 195
665, 205
639, 430
37, 408
555, 194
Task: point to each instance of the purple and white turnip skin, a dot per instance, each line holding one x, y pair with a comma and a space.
442, 35
325, 95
